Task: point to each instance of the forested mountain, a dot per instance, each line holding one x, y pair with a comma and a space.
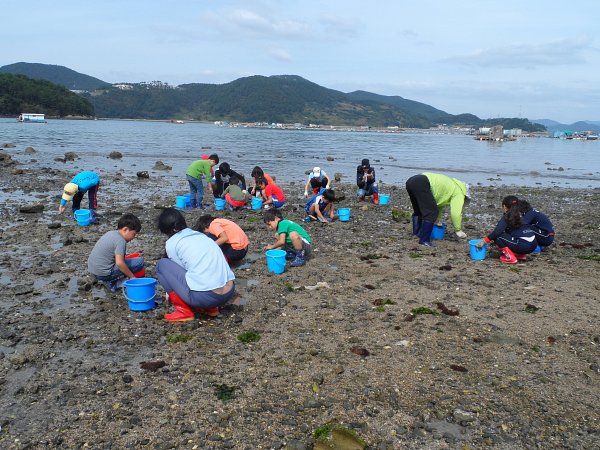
56, 74
21, 94
278, 98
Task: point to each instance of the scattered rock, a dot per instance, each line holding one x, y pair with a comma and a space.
338, 176
8, 145
159, 165
330, 158
143, 174
30, 151
31, 208
17, 171
71, 156
152, 366
115, 155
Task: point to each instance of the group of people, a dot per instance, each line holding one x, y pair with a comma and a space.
196, 272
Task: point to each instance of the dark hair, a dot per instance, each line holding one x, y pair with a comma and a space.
130, 221
214, 157
271, 214
224, 168
513, 214
261, 180
203, 222
171, 221
233, 180
329, 195
524, 206
365, 163
257, 172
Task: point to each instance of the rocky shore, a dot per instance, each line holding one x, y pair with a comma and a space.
376, 343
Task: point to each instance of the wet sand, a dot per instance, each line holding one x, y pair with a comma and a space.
518, 367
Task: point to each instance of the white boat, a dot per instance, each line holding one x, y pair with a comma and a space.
29, 117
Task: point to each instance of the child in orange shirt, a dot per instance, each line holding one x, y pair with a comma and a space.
227, 234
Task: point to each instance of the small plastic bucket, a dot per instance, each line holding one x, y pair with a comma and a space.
344, 214
140, 293
438, 231
83, 217
180, 201
384, 199
276, 260
256, 203
139, 273
188, 200
220, 204
477, 254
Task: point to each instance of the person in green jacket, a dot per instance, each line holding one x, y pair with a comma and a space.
194, 176
429, 193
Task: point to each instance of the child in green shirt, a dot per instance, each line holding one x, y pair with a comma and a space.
194, 174
290, 237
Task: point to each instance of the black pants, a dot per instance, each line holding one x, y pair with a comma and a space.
92, 198
229, 252
421, 197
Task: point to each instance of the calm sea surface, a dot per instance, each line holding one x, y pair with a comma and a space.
287, 154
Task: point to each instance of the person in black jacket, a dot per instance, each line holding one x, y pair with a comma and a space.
539, 223
222, 176
366, 182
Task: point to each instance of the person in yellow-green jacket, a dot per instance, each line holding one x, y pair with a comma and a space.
429, 193
194, 176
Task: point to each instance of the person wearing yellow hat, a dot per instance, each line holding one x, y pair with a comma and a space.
80, 184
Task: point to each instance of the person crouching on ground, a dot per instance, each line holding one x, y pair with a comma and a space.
320, 207
227, 234
271, 193
317, 179
514, 238
290, 236
539, 223
195, 274
429, 194
80, 184
233, 193
107, 261
366, 182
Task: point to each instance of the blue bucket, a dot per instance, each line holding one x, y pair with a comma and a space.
83, 217
180, 201
256, 203
438, 231
477, 254
188, 200
384, 199
220, 204
276, 260
344, 214
140, 293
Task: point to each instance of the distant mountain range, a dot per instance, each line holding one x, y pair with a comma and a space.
278, 98
585, 125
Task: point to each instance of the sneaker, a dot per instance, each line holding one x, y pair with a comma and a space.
298, 261
110, 285
269, 206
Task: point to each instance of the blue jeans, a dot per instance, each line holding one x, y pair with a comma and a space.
134, 264
171, 277
369, 189
196, 191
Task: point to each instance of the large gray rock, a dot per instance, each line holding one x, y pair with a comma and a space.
115, 155
159, 165
32, 208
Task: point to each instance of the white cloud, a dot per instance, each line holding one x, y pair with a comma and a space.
527, 56
280, 54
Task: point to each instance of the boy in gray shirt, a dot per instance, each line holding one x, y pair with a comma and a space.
107, 261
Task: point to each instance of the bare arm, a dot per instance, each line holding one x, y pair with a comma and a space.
222, 239
279, 243
120, 262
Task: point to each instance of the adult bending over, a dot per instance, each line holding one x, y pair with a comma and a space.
195, 274
429, 193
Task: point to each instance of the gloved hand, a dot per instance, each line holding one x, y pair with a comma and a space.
305, 194
461, 234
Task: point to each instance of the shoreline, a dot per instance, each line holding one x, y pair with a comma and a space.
517, 367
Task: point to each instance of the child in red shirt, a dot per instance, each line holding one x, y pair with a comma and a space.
271, 193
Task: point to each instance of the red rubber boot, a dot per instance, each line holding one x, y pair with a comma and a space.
183, 312
210, 312
520, 257
508, 257
376, 198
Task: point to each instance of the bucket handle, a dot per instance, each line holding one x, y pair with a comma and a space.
135, 300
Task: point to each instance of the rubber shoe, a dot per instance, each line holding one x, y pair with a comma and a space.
210, 312
183, 312
290, 255
520, 257
508, 257
110, 285
376, 198
178, 316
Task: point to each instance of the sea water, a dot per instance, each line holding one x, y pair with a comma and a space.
288, 154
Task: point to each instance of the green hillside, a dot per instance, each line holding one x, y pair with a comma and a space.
55, 74
21, 94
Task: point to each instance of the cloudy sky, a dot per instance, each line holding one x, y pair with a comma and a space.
535, 59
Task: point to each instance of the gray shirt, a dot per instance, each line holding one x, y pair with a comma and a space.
102, 258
